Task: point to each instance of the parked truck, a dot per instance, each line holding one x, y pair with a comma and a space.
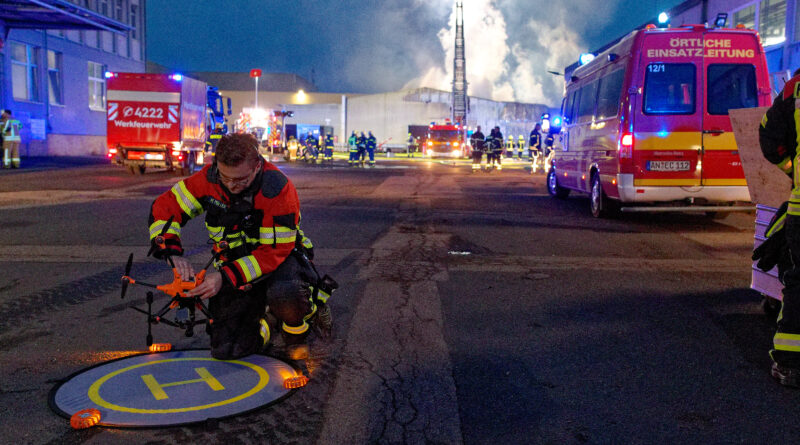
157, 121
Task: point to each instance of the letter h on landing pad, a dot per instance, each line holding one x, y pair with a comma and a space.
158, 388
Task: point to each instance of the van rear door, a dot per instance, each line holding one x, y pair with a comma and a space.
668, 119
729, 64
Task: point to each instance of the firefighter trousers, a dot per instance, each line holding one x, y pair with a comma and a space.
786, 343
11, 154
237, 315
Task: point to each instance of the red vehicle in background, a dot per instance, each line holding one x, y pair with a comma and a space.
444, 141
646, 125
156, 121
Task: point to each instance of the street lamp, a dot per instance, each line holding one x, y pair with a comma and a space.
256, 73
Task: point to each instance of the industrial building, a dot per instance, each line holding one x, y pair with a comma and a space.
54, 57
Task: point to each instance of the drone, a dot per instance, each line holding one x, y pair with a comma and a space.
185, 316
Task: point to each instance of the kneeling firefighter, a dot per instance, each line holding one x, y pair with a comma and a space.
265, 273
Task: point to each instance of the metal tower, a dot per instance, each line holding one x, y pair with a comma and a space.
459, 107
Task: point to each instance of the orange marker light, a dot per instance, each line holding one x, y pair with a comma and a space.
160, 347
85, 418
297, 381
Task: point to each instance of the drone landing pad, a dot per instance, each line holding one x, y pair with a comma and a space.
172, 388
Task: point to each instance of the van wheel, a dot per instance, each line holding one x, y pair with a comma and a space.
600, 205
137, 169
553, 188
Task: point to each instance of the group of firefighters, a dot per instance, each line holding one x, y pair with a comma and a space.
493, 145
310, 147
360, 147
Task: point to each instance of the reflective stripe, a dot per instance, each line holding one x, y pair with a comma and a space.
158, 226
797, 125
250, 267
188, 203
306, 242
265, 235
215, 233
313, 311
285, 234
323, 296
296, 330
787, 342
777, 226
264, 331
794, 209
786, 165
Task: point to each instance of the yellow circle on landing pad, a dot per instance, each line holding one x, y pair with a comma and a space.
94, 390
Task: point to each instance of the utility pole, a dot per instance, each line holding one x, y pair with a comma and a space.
459, 106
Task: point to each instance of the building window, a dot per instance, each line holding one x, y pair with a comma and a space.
25, 72
102, 8
55, 83
772, 21
766, 16
746, 17
133, 19
97, 87
118, 10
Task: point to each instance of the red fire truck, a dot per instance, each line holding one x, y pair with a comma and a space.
445, 140
156, 121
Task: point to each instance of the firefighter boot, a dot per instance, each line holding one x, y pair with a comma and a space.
786, 376
296, 346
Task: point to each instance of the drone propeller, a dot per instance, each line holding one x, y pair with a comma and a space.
125, 278
159, 240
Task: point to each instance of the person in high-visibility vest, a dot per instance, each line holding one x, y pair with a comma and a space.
213, 139
11, 140
510, 146
520, 146
353, 147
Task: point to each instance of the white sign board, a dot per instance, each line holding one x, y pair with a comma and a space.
768, 185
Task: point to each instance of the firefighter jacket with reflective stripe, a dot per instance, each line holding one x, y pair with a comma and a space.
371, 142
535, 140
779, 137
352, 142
11, 130
329, 142
261, 224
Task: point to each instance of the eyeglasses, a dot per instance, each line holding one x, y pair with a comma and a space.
233, 182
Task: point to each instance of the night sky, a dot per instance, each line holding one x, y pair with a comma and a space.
386, 45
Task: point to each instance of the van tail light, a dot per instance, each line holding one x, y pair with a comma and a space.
626, 148
112, 152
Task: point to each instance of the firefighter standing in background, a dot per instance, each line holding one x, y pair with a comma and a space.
353, 148
520, 146
778, 137
372, 143
213, 139
328, 148
291, 149
252, 205
477, 143
412, 145
312, 149
11, 140
510, 146
361, 142
498, 148
535, 146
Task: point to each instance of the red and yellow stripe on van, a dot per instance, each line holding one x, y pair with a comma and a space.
686, 159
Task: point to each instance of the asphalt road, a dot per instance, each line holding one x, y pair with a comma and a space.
473, 309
